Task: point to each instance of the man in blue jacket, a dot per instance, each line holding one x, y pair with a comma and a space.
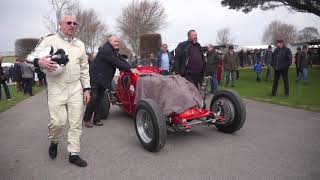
165, 60
102, 71
281, 61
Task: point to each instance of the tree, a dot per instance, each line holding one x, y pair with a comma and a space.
308, 34
310, 6
90, 29
58, 7
141, 17
278, 30
224, 37
24, 46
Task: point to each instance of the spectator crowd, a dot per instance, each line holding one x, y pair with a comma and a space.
23, 75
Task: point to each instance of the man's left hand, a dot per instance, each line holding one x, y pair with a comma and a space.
86, 97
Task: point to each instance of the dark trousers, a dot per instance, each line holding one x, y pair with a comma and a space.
6, 89
237, 71
297, 71
277, 74
28, 85
196, 79
97, 95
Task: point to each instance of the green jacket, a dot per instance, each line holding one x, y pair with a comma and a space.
212, 63
231, 61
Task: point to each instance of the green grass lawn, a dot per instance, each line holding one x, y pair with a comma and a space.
302, 96
16, 97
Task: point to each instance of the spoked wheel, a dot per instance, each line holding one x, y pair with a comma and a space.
231, 107
150, 125
144, 126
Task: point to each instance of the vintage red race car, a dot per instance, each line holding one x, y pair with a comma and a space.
226, 111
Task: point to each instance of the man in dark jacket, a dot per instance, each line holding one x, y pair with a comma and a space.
281, 61
190, 61
102, 71
17, 75
212, 67
3, 79
267, 62
164, 60
297, 58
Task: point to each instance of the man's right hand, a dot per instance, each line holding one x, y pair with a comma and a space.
135, 71
46, 63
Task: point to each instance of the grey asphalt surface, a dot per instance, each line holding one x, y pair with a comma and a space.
275, 143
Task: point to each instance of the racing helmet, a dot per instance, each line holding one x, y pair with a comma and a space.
59, 57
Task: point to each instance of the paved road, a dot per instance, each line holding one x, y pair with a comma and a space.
275, 143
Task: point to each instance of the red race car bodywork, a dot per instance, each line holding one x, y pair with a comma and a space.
227, 111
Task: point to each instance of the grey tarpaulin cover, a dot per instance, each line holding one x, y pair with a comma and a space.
173, 93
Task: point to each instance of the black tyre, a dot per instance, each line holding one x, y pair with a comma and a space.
232, 108
150, 125
105, 102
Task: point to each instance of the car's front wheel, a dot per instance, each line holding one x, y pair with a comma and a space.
150, 125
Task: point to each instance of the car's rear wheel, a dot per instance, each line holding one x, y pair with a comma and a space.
150, 125
105, 102
231, 108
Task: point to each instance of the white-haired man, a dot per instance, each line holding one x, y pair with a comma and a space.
68, 91
102, 71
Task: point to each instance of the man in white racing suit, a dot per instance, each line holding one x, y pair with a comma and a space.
69, 89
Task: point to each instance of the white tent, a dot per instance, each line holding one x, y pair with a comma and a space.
7, 64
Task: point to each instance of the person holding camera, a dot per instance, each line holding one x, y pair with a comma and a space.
68, 85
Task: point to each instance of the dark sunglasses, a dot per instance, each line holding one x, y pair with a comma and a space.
74, 23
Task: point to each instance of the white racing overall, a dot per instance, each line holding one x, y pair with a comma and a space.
65, 91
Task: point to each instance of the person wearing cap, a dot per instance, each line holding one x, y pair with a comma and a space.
212, 67
281, 61
231, 64
68, 91
189, 59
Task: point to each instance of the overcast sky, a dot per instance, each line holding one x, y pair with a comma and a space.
19, 19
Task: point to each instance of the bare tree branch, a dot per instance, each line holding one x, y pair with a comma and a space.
141, 17
58, 7
308, 34
278, 30
224, 37
90, 29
